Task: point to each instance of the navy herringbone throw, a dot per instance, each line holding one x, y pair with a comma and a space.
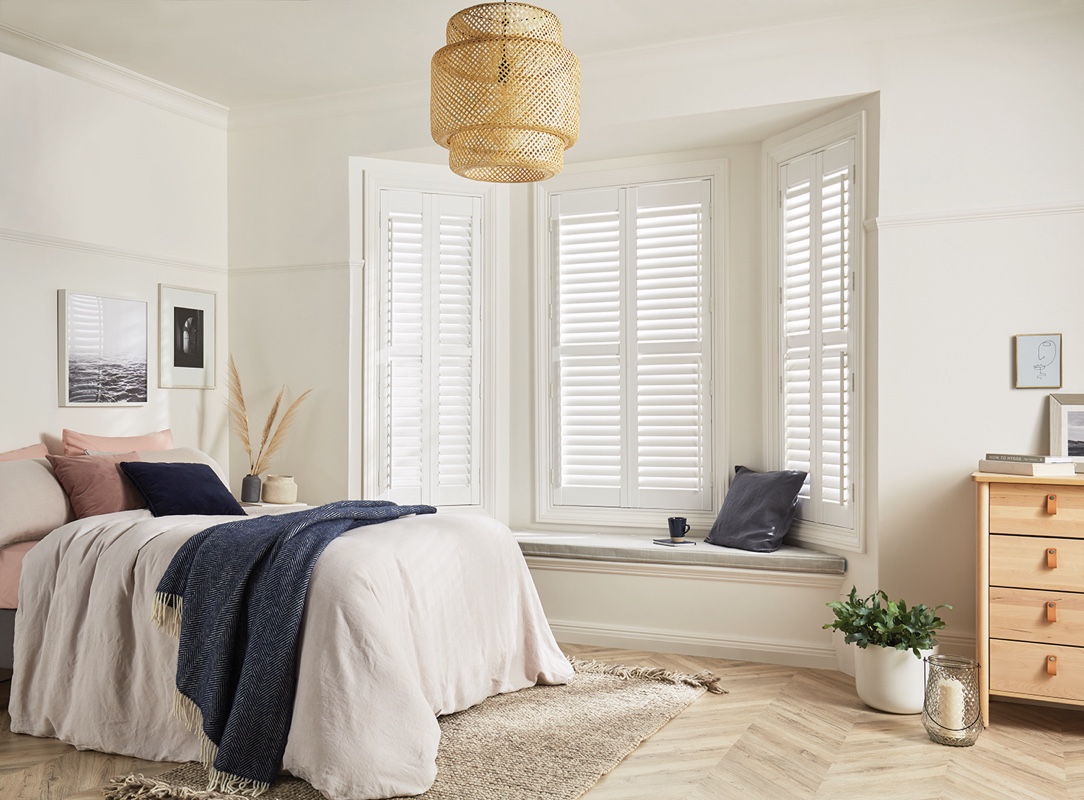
235, 594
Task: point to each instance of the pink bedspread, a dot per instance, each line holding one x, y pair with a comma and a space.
11, 564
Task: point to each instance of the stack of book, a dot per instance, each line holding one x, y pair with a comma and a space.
1013, 464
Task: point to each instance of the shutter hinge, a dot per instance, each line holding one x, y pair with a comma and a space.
780, 384
854, 280
851, 387
779, 196
780, 295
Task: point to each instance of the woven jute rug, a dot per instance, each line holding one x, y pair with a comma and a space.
540, 743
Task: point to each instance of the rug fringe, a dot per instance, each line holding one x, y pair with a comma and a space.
705, 679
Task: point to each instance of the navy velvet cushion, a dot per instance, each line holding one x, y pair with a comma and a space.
758, 510
180, 488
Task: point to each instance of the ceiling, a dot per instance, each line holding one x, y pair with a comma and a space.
241, 53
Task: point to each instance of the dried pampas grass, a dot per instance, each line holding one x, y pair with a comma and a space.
273, 435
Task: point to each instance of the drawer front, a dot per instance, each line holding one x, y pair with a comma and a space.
1022, 668
1027, 508
1023, 562
1037, 616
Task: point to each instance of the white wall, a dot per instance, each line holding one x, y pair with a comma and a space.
101, 193
979, 109
977, 238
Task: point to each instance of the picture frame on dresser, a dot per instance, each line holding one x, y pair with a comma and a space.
186, 337
101, 350
1067, 425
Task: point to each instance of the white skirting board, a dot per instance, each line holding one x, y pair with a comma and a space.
769, 616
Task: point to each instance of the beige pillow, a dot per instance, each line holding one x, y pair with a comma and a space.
33, 451
95, 484
33, 502
77, 444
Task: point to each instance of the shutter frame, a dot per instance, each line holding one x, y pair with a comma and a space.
831, 501
431, 352
625, 460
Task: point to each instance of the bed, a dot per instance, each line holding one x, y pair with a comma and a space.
404, 621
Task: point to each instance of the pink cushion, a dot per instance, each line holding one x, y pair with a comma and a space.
76, 444
95, 484
33, 451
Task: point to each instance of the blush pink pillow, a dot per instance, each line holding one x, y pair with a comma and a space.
95, 484
34, 451
77, 444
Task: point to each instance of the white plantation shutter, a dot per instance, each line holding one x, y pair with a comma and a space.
431, 381
630, 389
817, 332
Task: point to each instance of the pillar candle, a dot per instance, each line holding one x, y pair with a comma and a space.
951, 701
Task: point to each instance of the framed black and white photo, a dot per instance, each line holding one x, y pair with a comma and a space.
1038, 361
186, 323
102, 350
1067, 425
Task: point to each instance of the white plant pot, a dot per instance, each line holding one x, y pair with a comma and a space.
890, 680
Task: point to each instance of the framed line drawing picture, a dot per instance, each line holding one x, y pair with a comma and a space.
1038, 361
102, 350
1067, 425
186, 337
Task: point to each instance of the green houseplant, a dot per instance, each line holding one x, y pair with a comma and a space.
892, 640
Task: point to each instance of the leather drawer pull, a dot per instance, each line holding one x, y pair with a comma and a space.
1051, 665
1051, 612
1052, 558
1051, 504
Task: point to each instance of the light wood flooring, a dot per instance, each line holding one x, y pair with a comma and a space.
782, 733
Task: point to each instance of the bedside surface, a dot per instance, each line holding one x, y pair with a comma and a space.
264, 509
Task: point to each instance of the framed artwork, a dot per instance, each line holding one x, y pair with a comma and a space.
1067, 425
186, 337
102, 350
1038, 361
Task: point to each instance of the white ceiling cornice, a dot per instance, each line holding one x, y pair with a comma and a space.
67, 61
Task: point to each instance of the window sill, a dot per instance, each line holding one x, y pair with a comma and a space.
640, 549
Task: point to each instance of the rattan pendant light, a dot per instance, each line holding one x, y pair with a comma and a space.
506, 94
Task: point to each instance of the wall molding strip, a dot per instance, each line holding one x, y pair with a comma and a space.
975, 215
271, 269
43, 240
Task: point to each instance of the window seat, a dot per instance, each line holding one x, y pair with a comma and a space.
640, 549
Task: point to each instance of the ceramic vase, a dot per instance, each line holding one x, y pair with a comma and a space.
889, 679
280, 489
250, 489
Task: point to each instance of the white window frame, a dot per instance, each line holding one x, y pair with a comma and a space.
778, 151
547, 510
369, 177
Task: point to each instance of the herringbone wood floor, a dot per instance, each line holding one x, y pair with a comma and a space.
781, 733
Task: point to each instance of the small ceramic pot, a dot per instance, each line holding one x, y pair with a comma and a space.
250, 489
280, 489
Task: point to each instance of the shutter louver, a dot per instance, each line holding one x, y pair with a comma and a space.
405, 395
588, 331
671, 392
455, 385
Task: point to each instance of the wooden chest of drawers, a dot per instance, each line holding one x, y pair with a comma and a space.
1030, 628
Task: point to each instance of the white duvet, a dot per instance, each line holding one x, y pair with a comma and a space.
404, 621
